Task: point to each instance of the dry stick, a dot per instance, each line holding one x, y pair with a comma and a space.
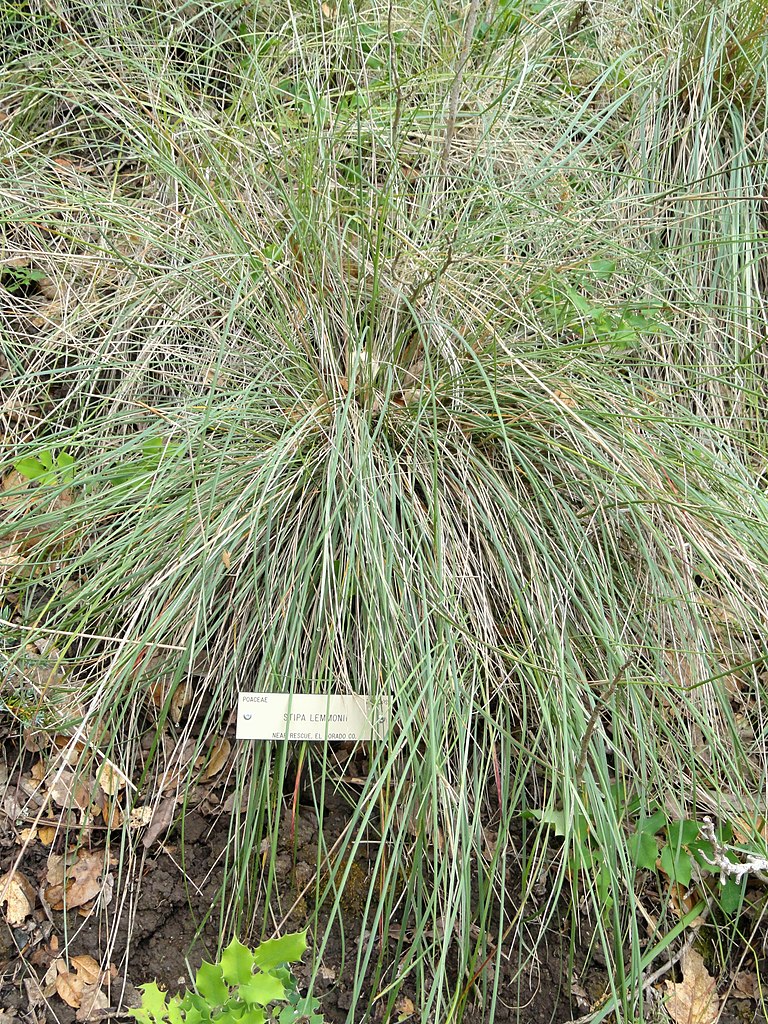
593, 718
453, 102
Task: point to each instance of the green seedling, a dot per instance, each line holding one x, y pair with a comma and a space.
658, 844
675, 847
574, 310
583, 857
139, 473
244, 986
21, 280
43, 468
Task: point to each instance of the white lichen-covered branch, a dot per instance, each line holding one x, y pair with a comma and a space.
752, 865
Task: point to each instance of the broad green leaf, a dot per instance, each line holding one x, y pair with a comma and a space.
724, 832
653, 824
31, 468
46, 459
643, 850
65, 462
677, 865
262, 989
623, 337
681, 833
581, 303
556, 819
285, 950
152, 448
730, 896
236, 963
209, 982
703, 852
603, 269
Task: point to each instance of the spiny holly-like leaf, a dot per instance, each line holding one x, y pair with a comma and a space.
233, 1014
253, 1015
140, 1015
153, 1006
193, 1016
195, 1007
209, 982
288, 981
292, 1014
262, 989
236, 963
285, 950
174, 1013
308, 1006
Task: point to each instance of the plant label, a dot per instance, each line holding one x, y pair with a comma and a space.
310, 716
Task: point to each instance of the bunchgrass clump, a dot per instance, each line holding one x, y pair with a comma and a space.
366, 390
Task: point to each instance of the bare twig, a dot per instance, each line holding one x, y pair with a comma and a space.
592, 723
453, 102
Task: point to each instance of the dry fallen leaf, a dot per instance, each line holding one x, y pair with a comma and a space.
219, 755
69, 789
404, 1008
112, 815
46, 834
81, 988
140, 816
181, 698
111, 778
69, 986
162, 819
82, 879
55, 968
92, 1000
693, 1000
746, 985
681, 901
87, 968
17, 897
